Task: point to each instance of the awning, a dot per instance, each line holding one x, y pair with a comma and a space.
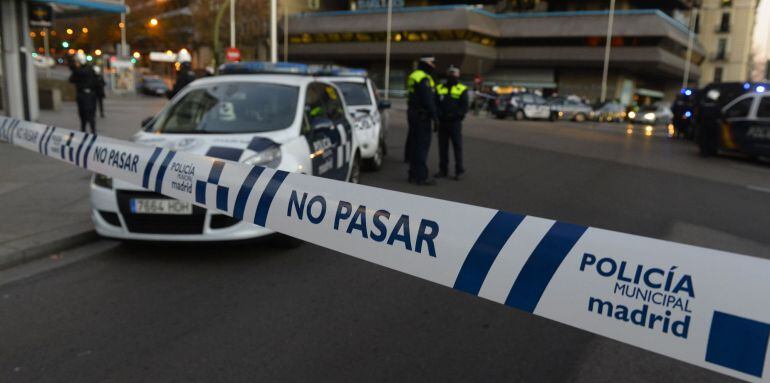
649, 93
114, 6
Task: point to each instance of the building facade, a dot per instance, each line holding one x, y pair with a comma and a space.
556, 46
725, 29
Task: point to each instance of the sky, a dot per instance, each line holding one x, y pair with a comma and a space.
761, 38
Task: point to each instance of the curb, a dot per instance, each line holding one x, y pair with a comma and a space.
38, 246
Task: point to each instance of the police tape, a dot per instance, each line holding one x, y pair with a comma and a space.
705, 307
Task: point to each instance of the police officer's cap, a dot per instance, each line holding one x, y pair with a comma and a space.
430, 60
453, 71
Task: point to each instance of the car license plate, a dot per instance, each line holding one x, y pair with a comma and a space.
160, 206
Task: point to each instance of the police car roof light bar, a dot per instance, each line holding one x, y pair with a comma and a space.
263, 67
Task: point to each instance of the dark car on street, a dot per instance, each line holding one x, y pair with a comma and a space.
710, 103
744, 125
152, 86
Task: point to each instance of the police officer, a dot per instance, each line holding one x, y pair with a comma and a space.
422, 116
452, 107
84, 78
185, 75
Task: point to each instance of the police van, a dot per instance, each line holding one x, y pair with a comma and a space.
744, 125
279, 115
366, 109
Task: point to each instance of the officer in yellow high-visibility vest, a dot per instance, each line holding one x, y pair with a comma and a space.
422, 116
452, 107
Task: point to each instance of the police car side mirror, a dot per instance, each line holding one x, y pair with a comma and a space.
383, 104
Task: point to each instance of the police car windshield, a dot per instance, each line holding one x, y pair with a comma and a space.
231, 108
356, 94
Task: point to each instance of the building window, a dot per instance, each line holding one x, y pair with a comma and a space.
727, 3
697, 24
721, 53
718, 74
724, 25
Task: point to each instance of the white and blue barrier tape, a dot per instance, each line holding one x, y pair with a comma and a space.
705, 307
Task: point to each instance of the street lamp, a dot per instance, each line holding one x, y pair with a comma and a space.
85, 30
98, 52
153, 22
70, 31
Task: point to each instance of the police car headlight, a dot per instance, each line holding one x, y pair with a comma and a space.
364, 124
632, 114
270, 157
102, 181
649, 116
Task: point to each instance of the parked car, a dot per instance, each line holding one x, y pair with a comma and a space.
743, 126
569, 109
366, 111
610, 111
652, 115
40, 61
271, 115
152, 85
523, 106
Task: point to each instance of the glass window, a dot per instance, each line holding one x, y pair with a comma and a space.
231, 108
718, 74
764, 108
356, 94
323, 101
721, 49
740, 109
724, 25
527, 98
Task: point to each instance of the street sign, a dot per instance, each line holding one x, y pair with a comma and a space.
232, 54
40, 15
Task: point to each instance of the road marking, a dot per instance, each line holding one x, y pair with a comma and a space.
758, 188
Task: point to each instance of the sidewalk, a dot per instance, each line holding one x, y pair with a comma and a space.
44, 202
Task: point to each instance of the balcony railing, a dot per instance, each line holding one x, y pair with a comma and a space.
722, 28
719, 56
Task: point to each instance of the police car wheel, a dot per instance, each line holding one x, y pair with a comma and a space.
355, 170
519, 115
375, 163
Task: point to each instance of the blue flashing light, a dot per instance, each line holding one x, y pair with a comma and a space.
760, 89
262, 67
746, 86
687, 114
255, 67
688, 92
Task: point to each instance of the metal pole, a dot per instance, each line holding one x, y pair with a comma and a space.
690, 42
607, 48
387, 50
273, 30
123, 47
47, 52
285, 31
232, 23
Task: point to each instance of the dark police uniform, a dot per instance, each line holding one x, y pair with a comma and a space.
452, 107
421, 113
85, 82
185, 76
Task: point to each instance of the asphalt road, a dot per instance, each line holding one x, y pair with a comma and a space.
110, 312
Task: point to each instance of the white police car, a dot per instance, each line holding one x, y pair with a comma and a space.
366, 110
274, 115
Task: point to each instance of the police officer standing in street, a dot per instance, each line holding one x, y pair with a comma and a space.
84, 78
422, 116
452, 107
185, 74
